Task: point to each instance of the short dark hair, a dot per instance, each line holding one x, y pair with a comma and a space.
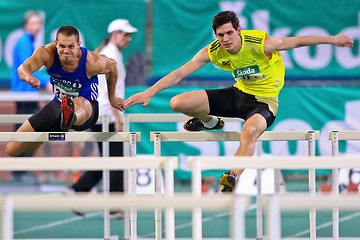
224, 17
68, 31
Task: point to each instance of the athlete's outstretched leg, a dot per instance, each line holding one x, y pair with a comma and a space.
16, 148
252, 129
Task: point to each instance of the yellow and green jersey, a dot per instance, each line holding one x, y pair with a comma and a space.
254, 72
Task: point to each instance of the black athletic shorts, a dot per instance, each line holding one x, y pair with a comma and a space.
49, 117
232, 102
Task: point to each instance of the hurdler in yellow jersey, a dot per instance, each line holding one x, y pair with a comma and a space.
254, 72
254, 60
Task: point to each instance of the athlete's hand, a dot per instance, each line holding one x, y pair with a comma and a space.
118, 103
342, 40
32, 81
139, 98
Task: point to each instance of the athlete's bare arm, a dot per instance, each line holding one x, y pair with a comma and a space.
100, 64
42, 56
198, 61
273, 44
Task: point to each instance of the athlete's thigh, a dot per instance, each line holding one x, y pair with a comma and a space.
193, 101
47, 119
222, 102
16, 148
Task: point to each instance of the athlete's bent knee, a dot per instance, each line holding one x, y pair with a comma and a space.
176, 104
250, 133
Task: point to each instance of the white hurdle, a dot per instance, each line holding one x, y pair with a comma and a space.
83, 163
335, 137
201, 162
143, 118
274, 204
309, 136
113, 201
82, 137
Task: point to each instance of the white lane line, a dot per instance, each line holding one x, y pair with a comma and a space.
189, 224
50, 225
328, 224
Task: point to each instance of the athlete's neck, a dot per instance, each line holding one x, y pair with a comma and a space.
237, 48
70, 65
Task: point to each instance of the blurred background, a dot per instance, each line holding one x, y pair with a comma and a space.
321, 91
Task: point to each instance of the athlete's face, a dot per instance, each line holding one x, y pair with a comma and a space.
68, 48
229, 37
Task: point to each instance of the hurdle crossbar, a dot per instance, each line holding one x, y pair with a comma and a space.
67, 136
346, 134
233, 136
114, 201
83, 163
25, 97
310, 136
301, 201
292, 162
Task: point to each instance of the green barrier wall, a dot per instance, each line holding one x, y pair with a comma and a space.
182, 27
90, 17
301, 108
185, 28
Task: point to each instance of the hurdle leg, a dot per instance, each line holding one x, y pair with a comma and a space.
126, 179
259, 214
169, 192
312, 186
238, 219
157, 153
274, 219
106, 178
196, 191
7, 222
335, 184
132, 186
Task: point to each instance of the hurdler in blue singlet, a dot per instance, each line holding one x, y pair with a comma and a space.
73, 83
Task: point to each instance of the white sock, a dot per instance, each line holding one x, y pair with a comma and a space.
212, 123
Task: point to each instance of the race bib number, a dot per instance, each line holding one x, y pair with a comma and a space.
249, 74
61, 89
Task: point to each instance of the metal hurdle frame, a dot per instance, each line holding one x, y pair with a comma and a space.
310, 136
128, 118
85, 163
84, 137
274, 227
335, 136
143, 118
104, 120
179, 202
276, 203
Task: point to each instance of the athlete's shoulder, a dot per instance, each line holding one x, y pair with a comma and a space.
214, 46
49, 48
94, 60
253, 36
45, 54
253, 32
98, 63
